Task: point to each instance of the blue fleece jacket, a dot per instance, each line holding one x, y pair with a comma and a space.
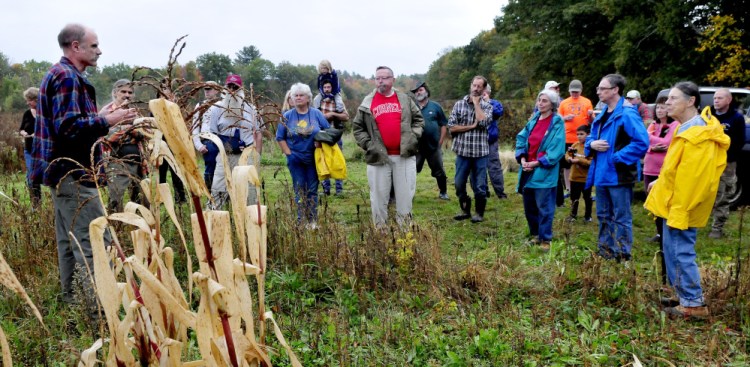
628, 143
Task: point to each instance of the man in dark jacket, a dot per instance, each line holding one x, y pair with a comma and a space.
431, 142
734, 127
617, 143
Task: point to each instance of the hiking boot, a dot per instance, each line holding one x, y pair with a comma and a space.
656, 238
481, 204
715, 234
443, 196
623, 257
533, 241
671, 301
699, 312
588, 220
502, 196
544, 246
465, 204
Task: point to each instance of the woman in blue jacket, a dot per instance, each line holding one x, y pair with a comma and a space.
539, 148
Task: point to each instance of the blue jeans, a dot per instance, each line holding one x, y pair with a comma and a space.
475, 170
305, 183
615, 220
682, 270
339, 183
539, 207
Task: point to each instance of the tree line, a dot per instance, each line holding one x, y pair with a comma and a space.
652, 43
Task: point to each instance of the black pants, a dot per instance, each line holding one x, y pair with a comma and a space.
576, 188
179, 188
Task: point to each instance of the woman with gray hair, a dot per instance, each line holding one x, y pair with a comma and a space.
125, 166
539, 148
26, 131
296, 137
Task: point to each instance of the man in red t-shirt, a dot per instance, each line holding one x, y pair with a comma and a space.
387, 126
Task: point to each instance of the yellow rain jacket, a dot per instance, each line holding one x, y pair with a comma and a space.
330, 162
686, 189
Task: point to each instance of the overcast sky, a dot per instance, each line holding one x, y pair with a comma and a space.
357, 36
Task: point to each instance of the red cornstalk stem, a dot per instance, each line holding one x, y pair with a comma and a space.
204, 236
229, 339
210, 259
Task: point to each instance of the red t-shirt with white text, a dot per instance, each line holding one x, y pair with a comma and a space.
387, 114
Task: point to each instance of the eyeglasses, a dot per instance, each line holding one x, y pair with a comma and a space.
383, 78
233, 86
599, 89
629, 98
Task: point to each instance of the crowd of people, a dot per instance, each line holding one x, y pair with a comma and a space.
567, 147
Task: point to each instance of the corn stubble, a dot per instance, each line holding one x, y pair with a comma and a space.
147, 314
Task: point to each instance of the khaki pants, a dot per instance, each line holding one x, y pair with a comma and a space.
401, 173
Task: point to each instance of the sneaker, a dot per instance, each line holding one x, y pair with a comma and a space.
570, 219
656, 238
533, 241
311, 226
671, 301
715, 235
544, 246
502, 196
698, 312
588, 220
443, 196
477, 218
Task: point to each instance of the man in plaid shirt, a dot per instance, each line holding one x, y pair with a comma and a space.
67, 128
468, 125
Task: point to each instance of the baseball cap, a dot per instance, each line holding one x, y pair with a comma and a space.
234, 79
575, 86
551, 84
633, 94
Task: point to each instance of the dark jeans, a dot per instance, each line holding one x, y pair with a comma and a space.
473, 169
305, 182
539, 207
576, 188
435, 161
209, 158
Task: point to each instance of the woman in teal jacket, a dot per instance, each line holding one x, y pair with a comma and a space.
539, 148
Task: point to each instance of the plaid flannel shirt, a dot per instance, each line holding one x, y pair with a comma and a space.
67, 126
472, 143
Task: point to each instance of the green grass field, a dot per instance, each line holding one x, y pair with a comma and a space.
442, 293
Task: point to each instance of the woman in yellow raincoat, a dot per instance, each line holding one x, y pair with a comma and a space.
685, 192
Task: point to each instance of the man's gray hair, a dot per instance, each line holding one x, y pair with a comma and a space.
553, 97
69, 34
119, 85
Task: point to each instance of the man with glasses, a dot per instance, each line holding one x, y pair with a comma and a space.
634, 97
201, 122
618, 141
388, 126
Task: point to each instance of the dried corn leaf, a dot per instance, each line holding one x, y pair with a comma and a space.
206, 323
106, 289
88, 356
241, 271
240, 177
257, 234
171, 357
8, 279
223, 158
169, 120
218, 227
172, 304
7, 360
280, 337
141, 210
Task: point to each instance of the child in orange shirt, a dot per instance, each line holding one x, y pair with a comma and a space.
578, 173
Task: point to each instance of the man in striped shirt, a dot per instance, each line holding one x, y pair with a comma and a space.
468, 125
